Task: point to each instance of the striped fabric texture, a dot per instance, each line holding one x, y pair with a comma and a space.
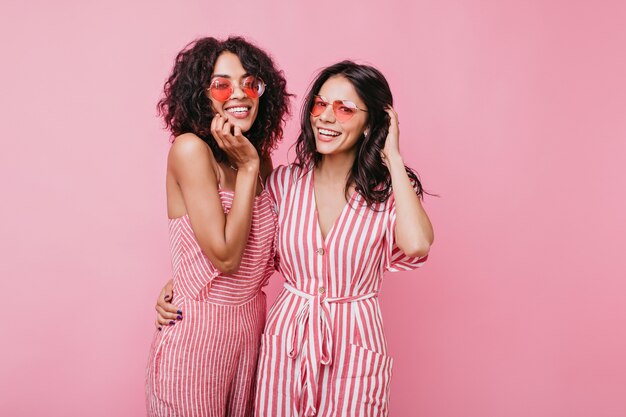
323, 352
205, 364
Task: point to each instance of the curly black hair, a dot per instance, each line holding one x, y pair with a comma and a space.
369, 175
185, 107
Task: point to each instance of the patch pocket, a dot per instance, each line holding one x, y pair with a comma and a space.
269, 345
370, 375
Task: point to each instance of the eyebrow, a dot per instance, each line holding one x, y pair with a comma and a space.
331, 101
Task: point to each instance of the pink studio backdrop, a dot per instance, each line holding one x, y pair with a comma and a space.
514, 112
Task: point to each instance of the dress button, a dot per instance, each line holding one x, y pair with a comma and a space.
322, 290
320, 251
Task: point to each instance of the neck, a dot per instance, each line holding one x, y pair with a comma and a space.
333, 167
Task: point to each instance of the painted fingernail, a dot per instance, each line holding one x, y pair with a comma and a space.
172, 323
159, 329
179, 312
179, 317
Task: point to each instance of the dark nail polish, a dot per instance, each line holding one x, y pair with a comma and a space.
179, 317
172, 323
159, 329
179, 312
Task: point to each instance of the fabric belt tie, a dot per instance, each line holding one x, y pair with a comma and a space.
314, 316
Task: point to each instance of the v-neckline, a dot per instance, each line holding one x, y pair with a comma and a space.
318, 226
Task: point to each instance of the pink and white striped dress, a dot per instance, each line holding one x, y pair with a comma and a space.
323, 352
205, 365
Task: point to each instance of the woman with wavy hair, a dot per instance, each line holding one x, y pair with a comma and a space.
349, 210
225, 104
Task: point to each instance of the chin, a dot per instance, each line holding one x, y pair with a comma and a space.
325, 148
244, 124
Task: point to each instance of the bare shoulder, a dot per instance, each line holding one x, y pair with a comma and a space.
190, 153
189, 144
190, 148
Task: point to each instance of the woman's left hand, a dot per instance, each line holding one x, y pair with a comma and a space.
392, 142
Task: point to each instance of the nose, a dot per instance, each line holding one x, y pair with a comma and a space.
237, 92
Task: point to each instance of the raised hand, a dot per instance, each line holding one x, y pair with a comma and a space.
392, 142
237, 147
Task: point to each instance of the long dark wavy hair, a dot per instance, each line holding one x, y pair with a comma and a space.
185, 107
369, 175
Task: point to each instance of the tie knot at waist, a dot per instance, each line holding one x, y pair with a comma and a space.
314, 316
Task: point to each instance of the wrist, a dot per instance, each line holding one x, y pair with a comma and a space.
393, 158
250, 167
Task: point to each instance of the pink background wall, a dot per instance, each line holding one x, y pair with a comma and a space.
515, 112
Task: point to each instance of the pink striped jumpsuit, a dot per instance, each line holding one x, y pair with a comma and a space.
323, 352
205, 365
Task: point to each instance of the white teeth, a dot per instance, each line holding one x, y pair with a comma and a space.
328, 132
237, 110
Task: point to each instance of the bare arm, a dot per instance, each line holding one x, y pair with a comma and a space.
414, 232
221, 237
167, 312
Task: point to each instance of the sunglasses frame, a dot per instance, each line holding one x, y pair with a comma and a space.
232, 87
335, 105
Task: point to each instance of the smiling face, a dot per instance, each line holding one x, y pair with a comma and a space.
239, 109
331, 136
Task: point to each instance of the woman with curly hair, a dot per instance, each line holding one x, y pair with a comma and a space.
349, 210
225, 104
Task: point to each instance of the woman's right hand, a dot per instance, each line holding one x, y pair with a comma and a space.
237, 147
167, 313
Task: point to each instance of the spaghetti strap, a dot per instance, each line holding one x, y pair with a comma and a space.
219, 179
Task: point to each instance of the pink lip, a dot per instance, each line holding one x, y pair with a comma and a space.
325, 138
237, 115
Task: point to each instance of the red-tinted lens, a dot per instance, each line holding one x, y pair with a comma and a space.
221, 89
344, 110
253, 87
319, 105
